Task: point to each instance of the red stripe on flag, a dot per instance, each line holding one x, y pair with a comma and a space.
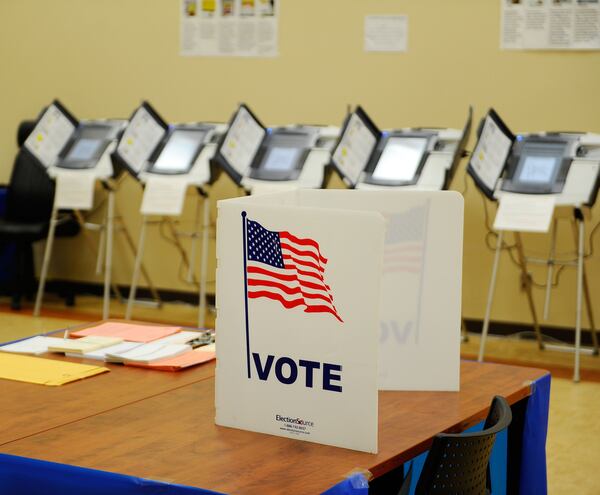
262, 271
299, 252
304, 263
276, 297
323, 309
303, 242
291, 290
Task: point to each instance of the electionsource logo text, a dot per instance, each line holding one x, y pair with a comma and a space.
295, 421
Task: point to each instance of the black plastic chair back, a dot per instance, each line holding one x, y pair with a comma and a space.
30, 194
458, 463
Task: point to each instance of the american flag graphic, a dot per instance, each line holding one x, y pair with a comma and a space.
288, 269
405, 240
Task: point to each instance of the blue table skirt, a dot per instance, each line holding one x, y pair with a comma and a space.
24, 476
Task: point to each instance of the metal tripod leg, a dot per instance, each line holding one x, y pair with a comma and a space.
550, 268
137, 269
528, 291
110, 214
179, 246
46, 262
588, 299
129, 240
464, 336
101, 247
577, 364
203, 264
194, 242
92, 246
490, 298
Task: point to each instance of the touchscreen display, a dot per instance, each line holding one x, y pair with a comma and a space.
400, 159
84, 149
538, 169
281, 159
180, 150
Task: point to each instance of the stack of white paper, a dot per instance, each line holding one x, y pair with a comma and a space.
146, 353
35, 345
100, 354
182, 337
83, 345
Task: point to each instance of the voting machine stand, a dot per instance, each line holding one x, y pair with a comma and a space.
201, 232
170, 170
576, 217
571, 185
75, 155
66, 178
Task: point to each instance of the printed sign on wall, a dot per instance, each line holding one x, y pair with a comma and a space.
241, 28
297, 319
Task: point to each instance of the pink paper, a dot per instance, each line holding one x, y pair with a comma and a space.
132, 332
191, 358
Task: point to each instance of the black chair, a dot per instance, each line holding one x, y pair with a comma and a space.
458, 464
29, 202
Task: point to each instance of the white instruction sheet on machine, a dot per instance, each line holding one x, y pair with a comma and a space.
164, 196
75, 189
490, 153
525, 212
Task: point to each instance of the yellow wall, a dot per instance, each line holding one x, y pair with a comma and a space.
102, 57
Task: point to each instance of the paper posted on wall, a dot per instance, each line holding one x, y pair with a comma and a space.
550, 25
239, 28
386, 33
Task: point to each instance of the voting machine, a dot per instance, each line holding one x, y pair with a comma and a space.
412, 158
76, 154
261, 159
152, 149
536, 178
167, 159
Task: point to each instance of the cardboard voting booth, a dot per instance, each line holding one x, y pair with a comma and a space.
419, 325
325, 297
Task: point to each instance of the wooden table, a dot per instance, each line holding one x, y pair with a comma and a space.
28, 409
170, 435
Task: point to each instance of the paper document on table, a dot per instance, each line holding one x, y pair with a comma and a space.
44, 371
83, 345
148, 353
182, 337
525, 212
100, 354
191, 358
34, 345
164, 196
75, 190
386, 33
132, 332
50, 136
